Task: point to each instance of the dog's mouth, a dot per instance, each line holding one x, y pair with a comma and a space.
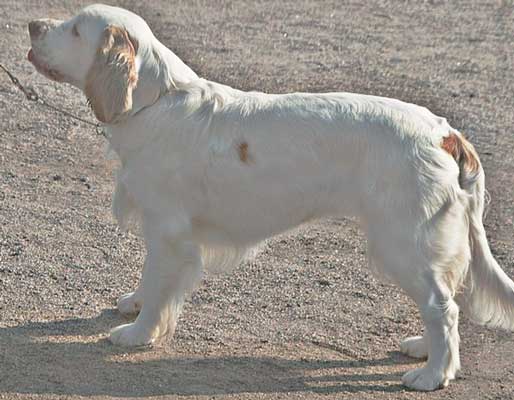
44, 68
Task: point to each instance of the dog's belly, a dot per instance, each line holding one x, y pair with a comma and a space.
253, 202
249, 203
250, 213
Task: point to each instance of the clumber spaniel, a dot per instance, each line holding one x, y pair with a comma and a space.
208, 171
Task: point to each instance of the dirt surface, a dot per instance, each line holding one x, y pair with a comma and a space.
305, 319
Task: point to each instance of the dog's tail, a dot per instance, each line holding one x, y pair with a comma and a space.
488, 296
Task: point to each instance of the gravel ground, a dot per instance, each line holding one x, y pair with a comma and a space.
305, 319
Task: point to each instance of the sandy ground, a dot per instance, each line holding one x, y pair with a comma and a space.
304, 320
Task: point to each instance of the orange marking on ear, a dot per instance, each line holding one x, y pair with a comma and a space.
112, 76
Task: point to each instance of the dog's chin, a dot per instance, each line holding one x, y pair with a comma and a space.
44, 69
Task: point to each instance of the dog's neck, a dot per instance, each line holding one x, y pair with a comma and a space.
161, 72
170, 115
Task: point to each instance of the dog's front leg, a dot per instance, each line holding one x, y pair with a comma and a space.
172, 268
131, 303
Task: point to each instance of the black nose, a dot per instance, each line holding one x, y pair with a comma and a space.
37, 28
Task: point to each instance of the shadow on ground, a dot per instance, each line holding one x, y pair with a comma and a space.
68, 357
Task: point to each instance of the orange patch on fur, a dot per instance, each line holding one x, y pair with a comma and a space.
462, 152
451, 145
244, 155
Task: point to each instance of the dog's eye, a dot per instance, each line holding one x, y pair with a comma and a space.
75, 31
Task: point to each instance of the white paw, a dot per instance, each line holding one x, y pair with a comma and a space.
424, 379
131, 335
130, 303
415, 346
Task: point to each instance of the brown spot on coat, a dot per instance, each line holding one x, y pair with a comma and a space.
244, 155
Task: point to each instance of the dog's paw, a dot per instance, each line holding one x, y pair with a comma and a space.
415, 346
424, 379
130, 335
130, 303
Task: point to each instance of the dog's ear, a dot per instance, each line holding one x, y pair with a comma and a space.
113, 75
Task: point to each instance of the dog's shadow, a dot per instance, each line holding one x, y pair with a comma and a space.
61, 358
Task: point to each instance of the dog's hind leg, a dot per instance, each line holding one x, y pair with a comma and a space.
428, 261
415, 346
431, 276
440, 314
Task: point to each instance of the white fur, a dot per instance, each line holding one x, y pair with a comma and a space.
208, 171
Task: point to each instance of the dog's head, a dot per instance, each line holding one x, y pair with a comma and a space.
109, 53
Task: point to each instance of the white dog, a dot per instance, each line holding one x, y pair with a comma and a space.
208, 171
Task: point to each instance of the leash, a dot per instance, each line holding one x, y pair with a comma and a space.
32, 95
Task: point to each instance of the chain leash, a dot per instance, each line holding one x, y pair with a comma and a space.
33, 96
